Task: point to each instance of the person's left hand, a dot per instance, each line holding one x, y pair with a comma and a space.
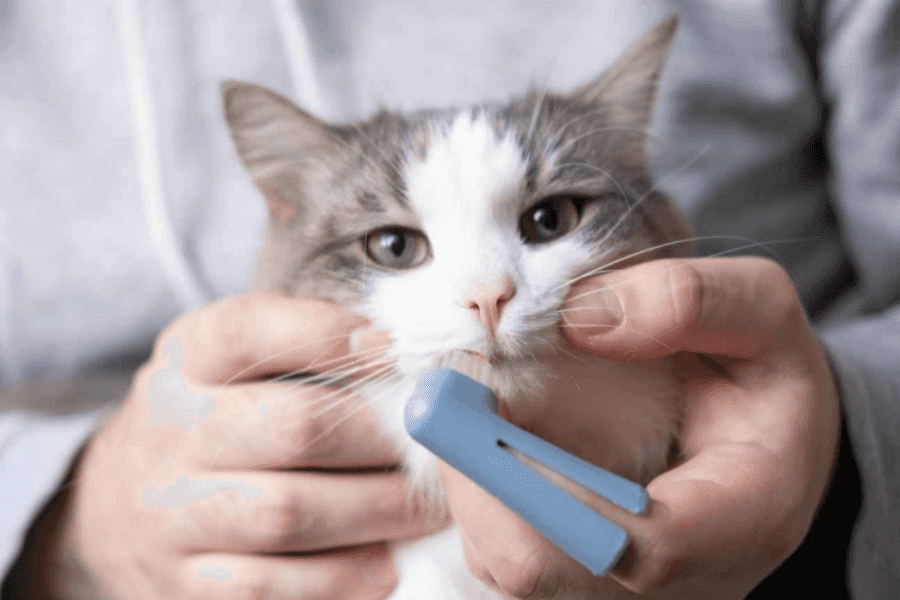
758, 439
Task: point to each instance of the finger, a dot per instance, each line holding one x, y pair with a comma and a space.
279, 425
250, 336
277, 512
290, 425
735, 307
502, 549
700, 518
363, 573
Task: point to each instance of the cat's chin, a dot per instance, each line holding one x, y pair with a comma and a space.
520, 383
513, 382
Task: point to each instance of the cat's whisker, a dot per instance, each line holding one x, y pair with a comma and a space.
292, 392
357, 374
529, 136
575, 309
318, 363
606, 174
637, 130
328, 431
349, 399
357, 361
274, 355
641, 333
385, 379
572, 355
346, 393
607, 267
681, 264
627, 213
562, 149
336, 378
340, 378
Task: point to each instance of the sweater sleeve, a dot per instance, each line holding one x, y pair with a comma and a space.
866, 359
35, 454
859, 61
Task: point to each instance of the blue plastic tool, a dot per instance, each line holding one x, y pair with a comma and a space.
457, 418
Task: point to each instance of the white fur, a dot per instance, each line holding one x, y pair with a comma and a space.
458, 190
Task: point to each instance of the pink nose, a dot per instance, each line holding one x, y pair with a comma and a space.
487, 301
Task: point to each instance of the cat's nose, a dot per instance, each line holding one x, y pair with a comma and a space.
487, 301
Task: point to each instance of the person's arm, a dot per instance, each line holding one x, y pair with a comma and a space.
860, 79
209, 480
35, 453
865, 359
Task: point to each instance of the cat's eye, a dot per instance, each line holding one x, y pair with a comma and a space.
550, 219
397, 247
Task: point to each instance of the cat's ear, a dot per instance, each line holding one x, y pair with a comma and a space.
274, 138
627, 91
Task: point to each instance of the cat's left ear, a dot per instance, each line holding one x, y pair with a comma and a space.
277, 142
627, 91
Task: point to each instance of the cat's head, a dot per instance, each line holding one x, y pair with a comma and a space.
460, 228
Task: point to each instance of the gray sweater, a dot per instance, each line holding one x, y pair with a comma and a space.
122, 202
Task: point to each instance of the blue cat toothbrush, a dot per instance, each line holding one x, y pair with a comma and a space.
455, 414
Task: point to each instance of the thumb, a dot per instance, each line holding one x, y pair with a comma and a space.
732, 307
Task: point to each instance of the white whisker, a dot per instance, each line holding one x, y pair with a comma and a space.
274, 355
606, 267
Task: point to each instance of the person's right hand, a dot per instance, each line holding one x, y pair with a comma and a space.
212, 482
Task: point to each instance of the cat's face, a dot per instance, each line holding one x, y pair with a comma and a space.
460, 228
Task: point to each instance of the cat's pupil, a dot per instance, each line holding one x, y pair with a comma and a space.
550, 219
546, 218
396, 247
395, 242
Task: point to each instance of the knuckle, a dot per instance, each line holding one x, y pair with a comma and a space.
657, 576
479, 570
303, 432
180, 329
378, 586
526, 577
226, 331
776, 290
687, 291
277, 520
217, 334
781, 286
221, 584
255, 589
661, 564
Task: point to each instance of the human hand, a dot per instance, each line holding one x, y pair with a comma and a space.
212, 482
758, 440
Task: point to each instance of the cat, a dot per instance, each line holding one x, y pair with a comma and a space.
465, 228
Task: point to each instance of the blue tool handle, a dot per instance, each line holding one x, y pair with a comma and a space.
450, 414
618, 490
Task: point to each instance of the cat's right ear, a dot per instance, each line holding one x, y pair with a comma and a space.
274, 140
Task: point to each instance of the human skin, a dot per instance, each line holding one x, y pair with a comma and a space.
758, 442
214, 481
759, 437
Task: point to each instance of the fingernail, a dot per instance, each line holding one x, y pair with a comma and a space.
369, 340
597, 312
